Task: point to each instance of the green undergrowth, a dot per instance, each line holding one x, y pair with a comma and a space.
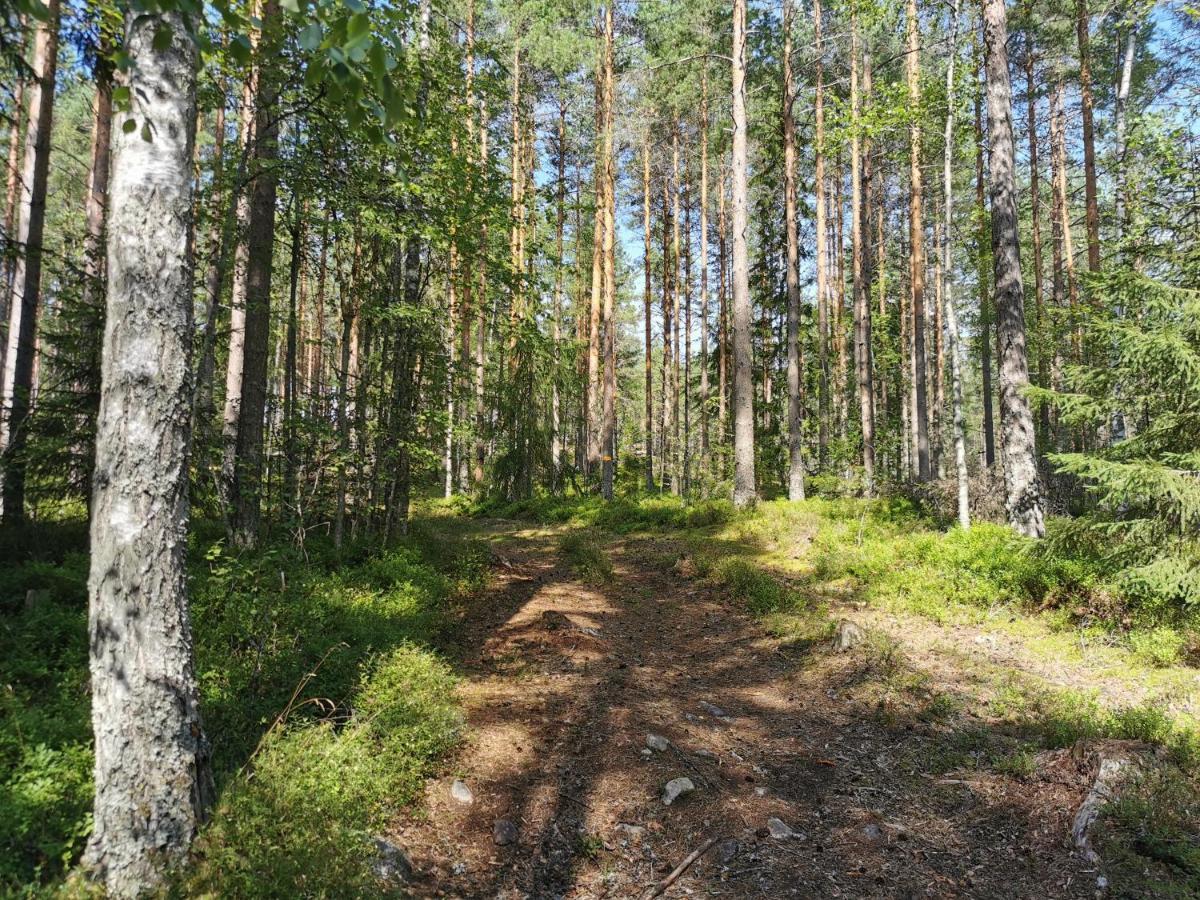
890, 553
996, 720
323, 692
584, 552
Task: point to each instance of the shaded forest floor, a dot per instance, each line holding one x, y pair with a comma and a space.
835, 749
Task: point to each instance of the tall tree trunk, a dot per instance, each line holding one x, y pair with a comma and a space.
290, 446
722, 315
1058, 153
592, 398
841, 370
862, 300
609, 425
1124, 86
1023, 493
704, 416
1035, 213
744, 488
794, 364
12, 201
235, 361
951, 313
687, 331
246, 487
560, 214
152, 776
822, 261
648, 426
95, 214
1082, 24
985, 306
221, 227
481, 295
676, 350
16, 386
666, 447
920, 410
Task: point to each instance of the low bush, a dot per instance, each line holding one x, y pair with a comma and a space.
351, 628
584, 553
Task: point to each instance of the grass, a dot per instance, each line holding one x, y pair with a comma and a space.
584, 553
302, 787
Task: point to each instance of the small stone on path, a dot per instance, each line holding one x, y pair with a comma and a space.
504, 832
391, 863
713, 710
873, 833
849, 635
657, 742
727, 851
460, 792
779, 829
676, 788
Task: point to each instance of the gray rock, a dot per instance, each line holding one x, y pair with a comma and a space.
713, 710
779, 829
391, 863
461, 793
849, 635
631, 832
873, 833
726, 851
504, 832
676, 788
657, 742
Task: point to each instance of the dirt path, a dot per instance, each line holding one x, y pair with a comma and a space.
565, 682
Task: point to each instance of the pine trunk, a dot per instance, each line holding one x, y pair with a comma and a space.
17, 384
1023, 494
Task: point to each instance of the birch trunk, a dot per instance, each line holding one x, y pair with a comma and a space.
744, 489
920, 410
951, 313
794, 365
152, 776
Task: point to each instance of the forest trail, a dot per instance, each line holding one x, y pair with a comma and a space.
565, 680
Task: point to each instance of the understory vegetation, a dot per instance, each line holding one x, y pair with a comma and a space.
1062, 598
321, 682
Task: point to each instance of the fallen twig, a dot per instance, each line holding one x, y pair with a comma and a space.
659, 889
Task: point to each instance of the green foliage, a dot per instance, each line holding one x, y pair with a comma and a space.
324, 703
1160, 647
583, 551
1148, 837
747, 582
622, 515
1143, 484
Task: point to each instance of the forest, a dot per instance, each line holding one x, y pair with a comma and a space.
577, 449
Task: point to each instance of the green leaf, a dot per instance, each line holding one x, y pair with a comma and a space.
239, 49
358, 32
129, 125
162, 38
310, 36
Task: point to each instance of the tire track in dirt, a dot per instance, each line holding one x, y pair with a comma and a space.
566, 679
